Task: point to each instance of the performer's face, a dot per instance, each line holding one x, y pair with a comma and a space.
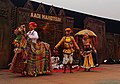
67, 32
85, 36
31, 27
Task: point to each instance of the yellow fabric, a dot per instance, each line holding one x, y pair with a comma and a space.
23, 42
91, 60
69, 44
60, 42
88, 61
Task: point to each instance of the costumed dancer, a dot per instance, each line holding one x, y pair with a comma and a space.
69, 45
32, 34
88, 48
39, 54
31, 61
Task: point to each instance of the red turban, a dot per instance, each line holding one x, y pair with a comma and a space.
33, 24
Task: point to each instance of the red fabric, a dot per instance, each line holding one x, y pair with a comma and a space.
55, 52
33, 24
76, 39
75, 69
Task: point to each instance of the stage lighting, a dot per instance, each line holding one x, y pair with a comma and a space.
105, 61
110, 61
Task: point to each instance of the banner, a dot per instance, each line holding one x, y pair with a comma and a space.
46, 17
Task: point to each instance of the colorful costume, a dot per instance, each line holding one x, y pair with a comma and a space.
39, 61
20, 42
88, 49
38, 54
32, 57
69, 44
43, 55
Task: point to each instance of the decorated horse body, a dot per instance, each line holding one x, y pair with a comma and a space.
20, 43
38, 60
30, 59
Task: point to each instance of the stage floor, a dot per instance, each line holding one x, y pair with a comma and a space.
104, 74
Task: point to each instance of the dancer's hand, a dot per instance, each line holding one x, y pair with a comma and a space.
26, 35
95, 51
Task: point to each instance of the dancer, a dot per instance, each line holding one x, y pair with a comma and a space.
39, 54
69, 45
88, 49
31, 61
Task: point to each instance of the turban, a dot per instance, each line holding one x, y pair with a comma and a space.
33, 24
68, 29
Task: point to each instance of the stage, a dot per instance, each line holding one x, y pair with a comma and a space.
104, 74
